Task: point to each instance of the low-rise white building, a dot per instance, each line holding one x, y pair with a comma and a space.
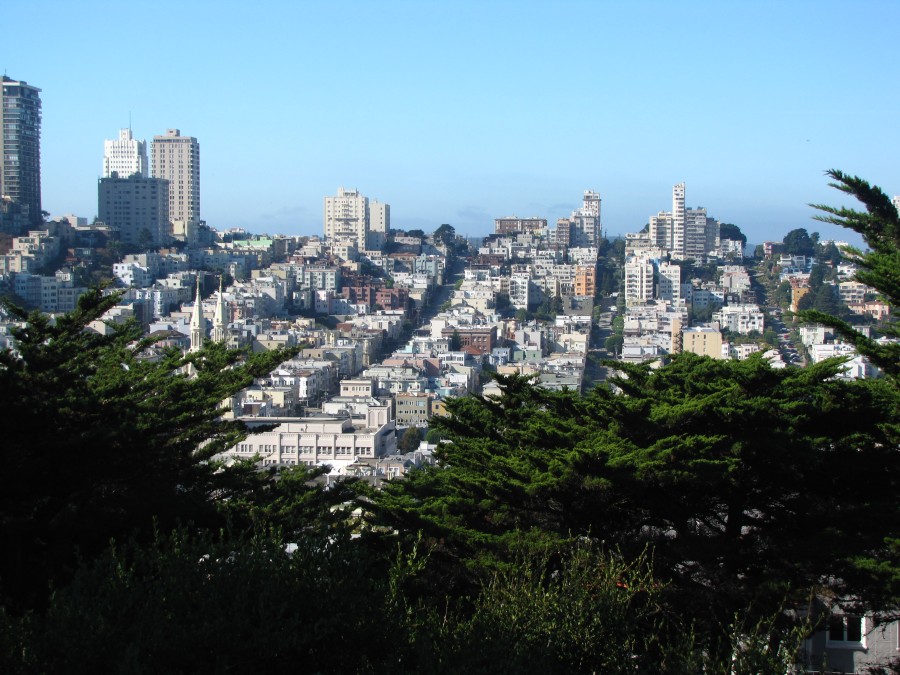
740, 318
316, 441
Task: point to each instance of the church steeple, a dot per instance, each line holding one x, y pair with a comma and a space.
198, 329
218, 330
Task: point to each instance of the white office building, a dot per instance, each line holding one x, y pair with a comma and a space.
125, 156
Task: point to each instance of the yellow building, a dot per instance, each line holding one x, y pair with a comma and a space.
702, 341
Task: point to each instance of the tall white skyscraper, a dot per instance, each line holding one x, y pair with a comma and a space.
125, 156
685, 233
592, 203
177, 159
678, 219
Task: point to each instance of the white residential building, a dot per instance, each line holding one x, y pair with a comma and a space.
638, 281
685, 233
669, 283
350, 216
678, 220
740, 318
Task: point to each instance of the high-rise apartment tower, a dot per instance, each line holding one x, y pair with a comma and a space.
351, 216
177, 159
20, 167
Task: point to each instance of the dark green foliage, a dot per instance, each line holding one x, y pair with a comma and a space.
289, 499
798, 242
584, 612
98, 441
455, 341
210, 604
783, 295
737, 475
410, 439
730, 231
826, 300
830, 253
879, 225
816, 277
207, 604
433, 436
445, 234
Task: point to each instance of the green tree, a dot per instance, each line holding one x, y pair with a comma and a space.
879, 226
410, 439
445, 235
455, 341
433, 436
207, 603
726, 469
831, 253
731, 231
99, 440
825, 299
806, 301
783, 295
798, 242
816, 277
613, 343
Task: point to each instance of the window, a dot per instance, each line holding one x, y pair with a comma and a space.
846, 631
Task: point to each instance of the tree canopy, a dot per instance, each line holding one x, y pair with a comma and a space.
879, 226
99, 440
731, 231
799, 242
738, 477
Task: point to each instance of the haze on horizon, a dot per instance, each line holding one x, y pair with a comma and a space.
461, 112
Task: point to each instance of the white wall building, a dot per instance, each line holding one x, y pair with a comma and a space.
638, 280
125, 156
314, 441
740, 318
350, 216
669, 288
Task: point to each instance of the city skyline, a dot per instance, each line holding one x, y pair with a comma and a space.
463, 113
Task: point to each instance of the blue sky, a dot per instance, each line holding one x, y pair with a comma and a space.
460, 112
